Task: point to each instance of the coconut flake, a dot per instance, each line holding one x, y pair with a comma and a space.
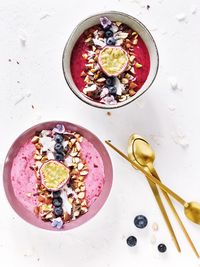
114, 28
89, 88
120, 86
98, 42
104, 92
120, 35
109, 100
47, 143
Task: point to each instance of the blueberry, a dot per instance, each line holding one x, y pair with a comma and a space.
131, 241
111, 41
58, 147
162, 248
59, 156
108, 33
57, 202
140, 221
58, 138
58, 211
112, 90
110, 81
56, 194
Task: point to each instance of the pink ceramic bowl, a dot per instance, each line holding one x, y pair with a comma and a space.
30, 217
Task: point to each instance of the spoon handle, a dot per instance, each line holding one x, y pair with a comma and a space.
164, 213
148, 175
153, 171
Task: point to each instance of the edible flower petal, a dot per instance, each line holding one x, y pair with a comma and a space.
109, 100
60, 128
57, 222
105, 22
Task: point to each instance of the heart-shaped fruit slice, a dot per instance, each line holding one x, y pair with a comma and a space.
54, 175
113, 60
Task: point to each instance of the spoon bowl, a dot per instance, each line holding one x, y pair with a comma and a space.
192, 211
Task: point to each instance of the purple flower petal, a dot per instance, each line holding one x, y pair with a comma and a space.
105, 22
60, 128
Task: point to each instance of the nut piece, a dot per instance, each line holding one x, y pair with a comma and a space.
76, 213
138, 65
35, 139
81, 195
83, 173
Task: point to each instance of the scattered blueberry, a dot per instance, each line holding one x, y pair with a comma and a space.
112, 90
58, 211
111, 41
58, 138
56, 194
57, 202
58, 147
110, 81
140, 221
162, 248
131, 241
108, 33
59, 157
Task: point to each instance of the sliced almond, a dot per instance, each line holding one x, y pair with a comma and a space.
83, 173
132, 70
84, 209
132, 58
70, 199
80, 166
100, 80
78, 146
77, 201
82, 188
85, 56
88, 39
83, 74
84, 203
80, 184
81, 195
122, 98
76, 213
77, 190
118, 23
135, 41
125, 81
37, 157
73, 153
35, 139
76, 159
81, 178
49, 216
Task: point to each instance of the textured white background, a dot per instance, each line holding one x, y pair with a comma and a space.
168, 118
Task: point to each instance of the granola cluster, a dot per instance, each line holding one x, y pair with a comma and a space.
60, 205
99, 85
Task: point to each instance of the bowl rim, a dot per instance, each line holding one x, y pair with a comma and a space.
97, 204
121, 104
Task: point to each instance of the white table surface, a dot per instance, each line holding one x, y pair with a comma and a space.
34, 33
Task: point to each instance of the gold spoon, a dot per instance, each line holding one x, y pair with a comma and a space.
191, 209
140, 150
133, 150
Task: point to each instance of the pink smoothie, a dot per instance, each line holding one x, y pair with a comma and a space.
24, 180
